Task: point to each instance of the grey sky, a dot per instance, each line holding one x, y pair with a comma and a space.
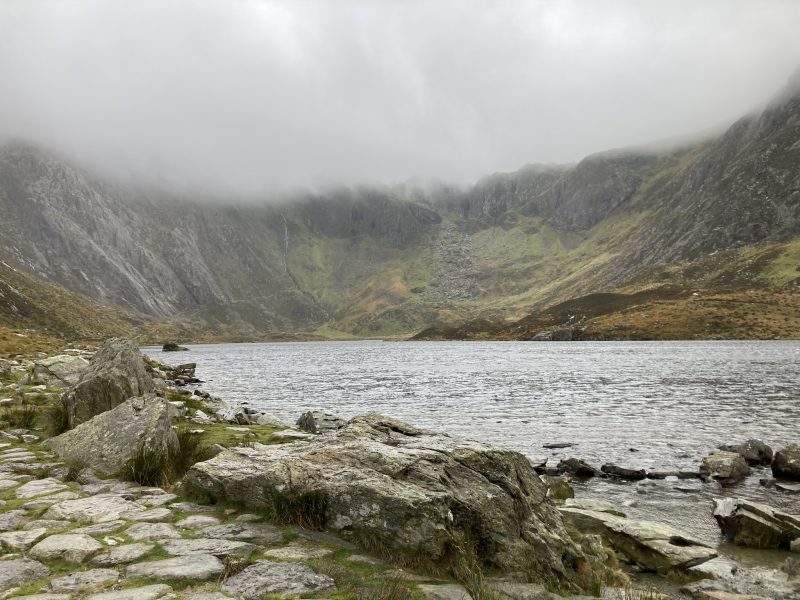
250, 94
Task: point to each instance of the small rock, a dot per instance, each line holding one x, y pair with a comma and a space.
576, 467
191, 507
319, 422
101, 528
725, 467
297, 552
126, 553
83, 580
19, 541
755, 452
195, 567
623, 473
250, 532
12, 520
151, 531
267, 577
214, 547
96, 509
197, 521
17, 571
47, 524
147, 592
154, 515
786, 463
69, 547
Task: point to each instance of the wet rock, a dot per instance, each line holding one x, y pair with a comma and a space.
17, 571
755, 525
444, 591
84, 580
151, 531
214, 547
69, 547
267, 577
147, 592
594, 505
577, 467
118, 555
63, 370
650, 545
116, 373
754, 452
384, 477
558, 445
623, 473
315, 421
95, 509
786, 464
110, 440
196, 567
250, 532
725, 467
18, 541
558, 488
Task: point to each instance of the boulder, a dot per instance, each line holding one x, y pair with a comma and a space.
109, 440
69, 547
62, 370
315, 421
116, 373
414, 490
786, 463
17, 571
196, 567
755, 525
577, 467
755, 452
623, 473
649, 545
725, 467
266, 577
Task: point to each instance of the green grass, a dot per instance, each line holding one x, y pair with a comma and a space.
307, 509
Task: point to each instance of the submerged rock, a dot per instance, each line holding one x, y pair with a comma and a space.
623, 473
575, 466
725, 467
755, 452
755, 525
786, 463
116, 373
411, 489
111, 439
315, 421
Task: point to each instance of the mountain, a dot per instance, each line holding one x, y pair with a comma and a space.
658, 228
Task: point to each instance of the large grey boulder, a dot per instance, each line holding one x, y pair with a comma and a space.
116, 373
109, 440
63, 370
755, 525
650, 545
755, 452
786, 463
413, 490
725, 467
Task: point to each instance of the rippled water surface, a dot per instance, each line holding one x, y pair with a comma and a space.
670, 402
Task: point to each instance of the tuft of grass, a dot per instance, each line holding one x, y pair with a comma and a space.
192, 449
149, 467
56, 418
23, 416
306, 509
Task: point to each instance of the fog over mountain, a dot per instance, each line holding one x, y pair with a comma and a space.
252, 95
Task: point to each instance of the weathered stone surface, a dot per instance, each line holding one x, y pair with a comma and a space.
191, 507
197, 521
249, 532
595, 505
63, 370
412, 488
155, 515
84, 580
118, 555
147, 592
12, 520
48, 501
315, 421
7, 484
755, 525
786, 463
115, 374
69, 547
197, 567
298, 552
103, 528
267, 577
214, 547
21, 540
510, 590
623, 473
17, 571
715, 595
577, 467
152, 531
43, 597
652, 546
755, 452
95, 509
47, 524
38, 487
111, 439
794, 546
725, 467
444, 591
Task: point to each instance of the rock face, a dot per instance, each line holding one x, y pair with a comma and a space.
109, 440
63, 370
315, 421
755, 452
756, 525
787, 463
115, 374
726, 467
652, 546
413, 490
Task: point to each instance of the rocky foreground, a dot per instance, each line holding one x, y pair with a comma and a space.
116, 484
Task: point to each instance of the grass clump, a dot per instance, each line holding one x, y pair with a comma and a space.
150, 467
22, 416
56, 418
192, 449
306, 509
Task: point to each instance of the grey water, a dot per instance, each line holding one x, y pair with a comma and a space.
652, 405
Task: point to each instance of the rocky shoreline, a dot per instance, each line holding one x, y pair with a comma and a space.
117, 482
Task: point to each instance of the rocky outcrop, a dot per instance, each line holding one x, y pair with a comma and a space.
755, 452
725, 467
786, 463
410, 490
108, 441
650, 545
116, 373
63, 370
756, 525
315, 421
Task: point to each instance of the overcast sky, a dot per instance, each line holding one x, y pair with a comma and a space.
256, 93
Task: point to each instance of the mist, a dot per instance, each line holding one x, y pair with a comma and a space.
253, 95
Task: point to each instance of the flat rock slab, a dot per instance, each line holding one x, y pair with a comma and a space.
20, 570
152, 531
214, 547
198, 521
7, 484
298, 552
713, 595
154, 515
48, 524
39, 487
84, 580
69, 547
43, 597
12, 520
96, 509
267, 577
206, 596
249, 532
18, 541
101, 528
157, 499
48, 501
196, 567
446, 591
191, 507
127, 553
146, 592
